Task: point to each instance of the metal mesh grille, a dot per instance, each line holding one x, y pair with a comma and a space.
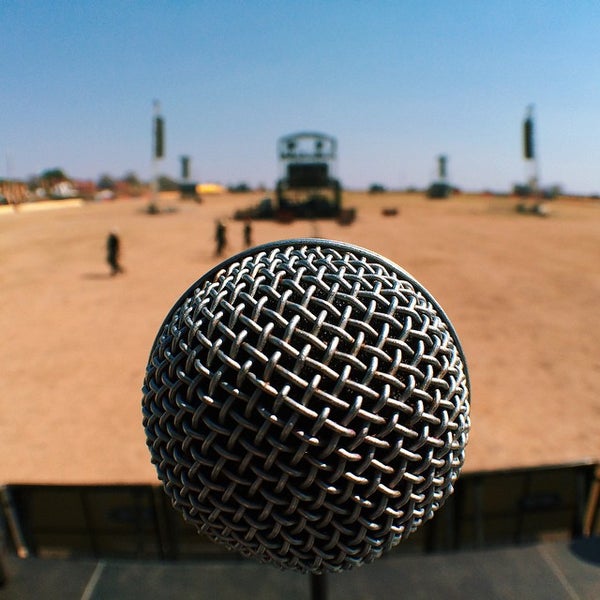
307, 404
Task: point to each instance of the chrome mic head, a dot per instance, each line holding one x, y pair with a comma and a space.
306, 403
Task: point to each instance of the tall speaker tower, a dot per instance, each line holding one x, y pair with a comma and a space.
530, 151
158, 153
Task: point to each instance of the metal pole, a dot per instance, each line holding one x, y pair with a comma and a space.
318, 587
3, 575
13, 526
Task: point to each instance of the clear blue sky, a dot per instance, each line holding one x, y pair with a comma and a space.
397, 82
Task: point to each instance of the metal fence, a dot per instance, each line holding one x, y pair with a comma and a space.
488, 509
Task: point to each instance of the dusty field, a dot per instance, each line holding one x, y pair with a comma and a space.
523, 293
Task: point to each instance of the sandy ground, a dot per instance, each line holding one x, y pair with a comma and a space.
522, 291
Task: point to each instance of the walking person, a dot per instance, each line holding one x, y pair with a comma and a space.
221, 237
248, 234
113, 251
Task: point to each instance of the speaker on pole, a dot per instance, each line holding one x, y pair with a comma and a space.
185, 167
443, 166
159, 137
528, 142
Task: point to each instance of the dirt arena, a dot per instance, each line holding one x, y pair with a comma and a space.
522, 291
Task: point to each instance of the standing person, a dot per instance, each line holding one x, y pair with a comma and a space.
113, 250
248, 234
221, 237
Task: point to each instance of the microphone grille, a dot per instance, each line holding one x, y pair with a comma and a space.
307, 403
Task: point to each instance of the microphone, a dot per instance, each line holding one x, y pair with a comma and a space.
306, 403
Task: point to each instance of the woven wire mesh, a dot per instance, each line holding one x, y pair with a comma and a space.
307, 403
